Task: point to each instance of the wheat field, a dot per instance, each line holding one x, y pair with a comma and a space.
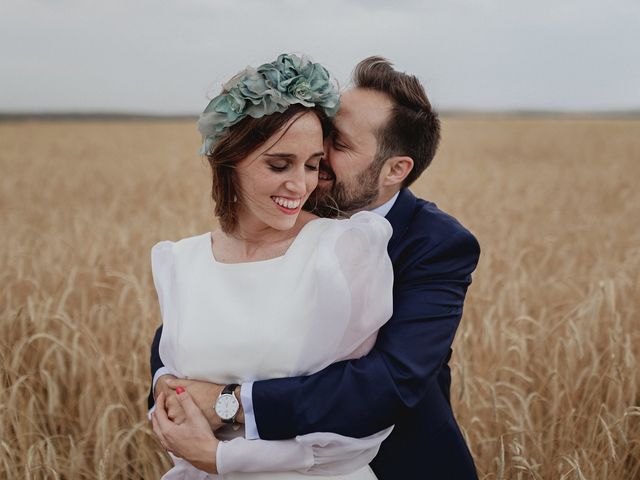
546, 381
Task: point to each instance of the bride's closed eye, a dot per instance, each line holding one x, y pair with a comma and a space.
278, 166
282, 166
313, 166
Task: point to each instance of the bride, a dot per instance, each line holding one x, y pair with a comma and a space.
275, 291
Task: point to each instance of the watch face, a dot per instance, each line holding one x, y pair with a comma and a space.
227, 406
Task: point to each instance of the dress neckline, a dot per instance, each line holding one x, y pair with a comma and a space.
267, 261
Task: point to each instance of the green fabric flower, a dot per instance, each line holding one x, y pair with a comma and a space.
265, 90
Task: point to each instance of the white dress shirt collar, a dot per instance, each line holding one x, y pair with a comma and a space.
383, 209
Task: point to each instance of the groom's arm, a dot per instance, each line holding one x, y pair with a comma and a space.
360, 397
157, 367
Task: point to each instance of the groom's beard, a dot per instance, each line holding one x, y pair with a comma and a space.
348, 197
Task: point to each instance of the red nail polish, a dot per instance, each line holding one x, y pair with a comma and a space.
180, 390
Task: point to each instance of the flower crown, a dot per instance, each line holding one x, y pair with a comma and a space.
270, 88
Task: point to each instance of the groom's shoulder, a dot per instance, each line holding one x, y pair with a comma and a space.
427, 216
437, 227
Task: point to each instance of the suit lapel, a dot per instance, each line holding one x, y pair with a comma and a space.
400, 216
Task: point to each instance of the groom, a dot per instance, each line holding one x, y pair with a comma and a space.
386, 135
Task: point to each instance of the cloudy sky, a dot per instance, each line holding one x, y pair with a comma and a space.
167, 56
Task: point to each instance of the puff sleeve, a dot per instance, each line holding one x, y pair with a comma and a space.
163, 272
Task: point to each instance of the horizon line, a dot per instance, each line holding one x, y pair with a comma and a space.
447, 112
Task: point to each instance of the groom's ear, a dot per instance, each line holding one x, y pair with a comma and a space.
396, 170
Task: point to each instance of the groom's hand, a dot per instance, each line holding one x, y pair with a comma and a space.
204, 394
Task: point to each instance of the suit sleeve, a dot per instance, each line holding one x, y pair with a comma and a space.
400, 369
155, 363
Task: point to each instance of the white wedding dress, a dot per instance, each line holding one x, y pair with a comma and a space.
322, 301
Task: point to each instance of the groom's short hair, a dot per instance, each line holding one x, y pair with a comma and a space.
413, 127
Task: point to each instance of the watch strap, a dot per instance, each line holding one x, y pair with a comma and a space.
229, 390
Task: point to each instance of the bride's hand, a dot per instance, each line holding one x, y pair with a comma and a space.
174, 409
192, 440
175, 412
204, 394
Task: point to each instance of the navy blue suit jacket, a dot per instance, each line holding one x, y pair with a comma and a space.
405, 379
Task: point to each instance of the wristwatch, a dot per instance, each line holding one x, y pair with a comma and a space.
227, 405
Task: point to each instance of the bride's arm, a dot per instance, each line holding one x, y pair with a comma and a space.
320, 453
315, 453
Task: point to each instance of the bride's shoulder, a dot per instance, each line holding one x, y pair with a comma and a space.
359, 244
182, 245
370, 220
362, 229
368, 223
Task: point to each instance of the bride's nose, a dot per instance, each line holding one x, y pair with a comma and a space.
296, 183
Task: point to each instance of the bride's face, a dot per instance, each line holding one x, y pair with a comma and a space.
274, 181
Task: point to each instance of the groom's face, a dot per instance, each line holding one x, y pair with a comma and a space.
353, 179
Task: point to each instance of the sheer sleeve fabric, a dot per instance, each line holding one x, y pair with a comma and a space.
353, 294
322, 453
356, 274
364, 261
163, 271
